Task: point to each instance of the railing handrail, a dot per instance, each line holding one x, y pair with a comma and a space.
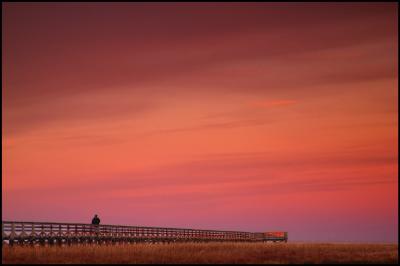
125, 226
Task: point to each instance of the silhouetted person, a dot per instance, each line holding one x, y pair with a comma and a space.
96, 220
95, 225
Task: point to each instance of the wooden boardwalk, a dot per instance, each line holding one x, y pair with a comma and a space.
14, 232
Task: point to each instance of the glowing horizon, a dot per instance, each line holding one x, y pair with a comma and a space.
250, 117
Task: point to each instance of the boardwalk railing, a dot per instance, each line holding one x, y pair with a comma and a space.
69, 233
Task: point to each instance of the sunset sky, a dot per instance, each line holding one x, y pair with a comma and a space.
234, 116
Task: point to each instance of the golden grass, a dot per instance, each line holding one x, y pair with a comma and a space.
205, 253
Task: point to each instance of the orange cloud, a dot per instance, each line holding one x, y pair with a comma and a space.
272, 103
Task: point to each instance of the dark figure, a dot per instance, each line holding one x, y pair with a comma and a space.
96, 220
94, 229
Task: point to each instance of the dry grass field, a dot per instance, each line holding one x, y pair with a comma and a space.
273, 253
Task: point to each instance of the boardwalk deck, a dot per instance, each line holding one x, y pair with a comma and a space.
14, 232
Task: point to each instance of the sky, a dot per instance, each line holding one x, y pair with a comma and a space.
230, 116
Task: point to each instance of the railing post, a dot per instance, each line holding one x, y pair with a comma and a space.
4, 235
59, 238
22, 234
42, 235
51, 235
32, 235
68, 238
12, 234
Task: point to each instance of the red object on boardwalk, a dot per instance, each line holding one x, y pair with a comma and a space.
275, 236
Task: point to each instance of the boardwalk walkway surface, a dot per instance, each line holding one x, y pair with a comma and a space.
14, 232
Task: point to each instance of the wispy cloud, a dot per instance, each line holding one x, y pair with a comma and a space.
210, 126
271, 103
